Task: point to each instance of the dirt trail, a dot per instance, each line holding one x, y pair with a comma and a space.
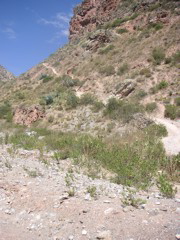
49, 67
172, 141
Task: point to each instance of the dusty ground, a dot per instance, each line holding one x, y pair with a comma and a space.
40, 207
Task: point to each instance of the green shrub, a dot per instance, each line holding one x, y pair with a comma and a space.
48, 100
122, 110
122, 30
141, 94
87, 99
172, 111
176, 57
145, 72
162, 85
68, 81
123, 69
168, 60
45, 78
72, 100
177, 101
165, 187
156, 26
6, 112
107, 70
107, 49
150, 107
158, 55
97, 106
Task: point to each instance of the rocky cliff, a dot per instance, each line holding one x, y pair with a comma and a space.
91, 14
5, 75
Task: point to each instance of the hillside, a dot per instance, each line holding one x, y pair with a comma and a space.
95, 129
5, 75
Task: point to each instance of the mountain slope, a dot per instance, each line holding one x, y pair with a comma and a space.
5, 75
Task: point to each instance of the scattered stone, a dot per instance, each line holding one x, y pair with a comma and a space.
71, 237
107, 201
105, 235
108, 211
84, 232
157, 203
178, 236
87, 197
177, 200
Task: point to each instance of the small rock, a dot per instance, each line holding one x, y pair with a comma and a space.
107, 201
87, 197
105, 235
84, 232
177, 200
71, 237
178, 236
145, 222
158, 203
108, 211
177, 210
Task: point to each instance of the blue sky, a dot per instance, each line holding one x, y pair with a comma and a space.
30, 30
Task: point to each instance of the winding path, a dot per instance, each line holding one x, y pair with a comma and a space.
52, 69
172, 141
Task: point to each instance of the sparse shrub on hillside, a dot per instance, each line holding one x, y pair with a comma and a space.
141, 94
122, 110
6, 112
156, 26
176, 58
165, 187
177, 101
87, 99
172, 111
106, 49
145, 72
72, 100
20, 95
150, 107
158, 55
154, 6
68, 81
48, 100
97, 106
122, 30
45, 78
159, 86
107, 70
123, 69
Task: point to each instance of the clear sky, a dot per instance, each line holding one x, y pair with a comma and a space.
30, 30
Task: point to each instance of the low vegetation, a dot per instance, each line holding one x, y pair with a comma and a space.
119, 157
172, 111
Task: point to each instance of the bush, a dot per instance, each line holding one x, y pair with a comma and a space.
97, 106
87, 99
158, 55
177, 101
176, 57
141, 94
145, 72
107, 49
122, 110
123, 69
48, 100
6, 112
107, 70
72, 100
165, 187
68, 81
162, 85
45, 78
172, 111
150, 107
122, 30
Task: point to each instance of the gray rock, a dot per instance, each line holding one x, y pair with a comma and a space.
105, 235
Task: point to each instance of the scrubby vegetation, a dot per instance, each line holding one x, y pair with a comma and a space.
172, 111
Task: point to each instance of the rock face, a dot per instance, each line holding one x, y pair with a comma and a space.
27, 116
5, 75
91, 13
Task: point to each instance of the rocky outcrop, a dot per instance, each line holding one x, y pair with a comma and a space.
91, 13
28, 115
5, 75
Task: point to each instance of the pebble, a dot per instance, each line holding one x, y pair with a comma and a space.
105, 235
84, 232
177, 200
71, 237
178, 236
157, 203
108, 211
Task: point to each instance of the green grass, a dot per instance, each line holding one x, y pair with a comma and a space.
107, 70
122, 30
106, 49
122, 110
123, 69
158, 55
172, 111
121, 157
